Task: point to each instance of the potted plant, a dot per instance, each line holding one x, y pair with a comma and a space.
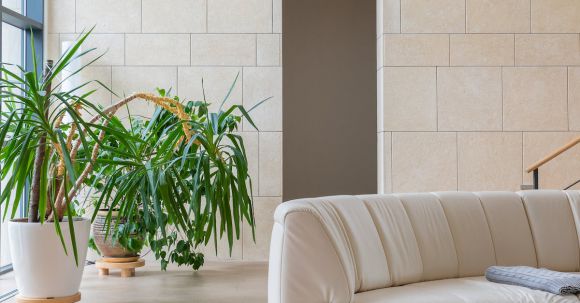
40, 120
183, 183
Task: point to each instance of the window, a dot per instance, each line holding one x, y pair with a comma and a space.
19, 18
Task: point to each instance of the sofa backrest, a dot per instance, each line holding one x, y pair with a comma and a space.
327, 249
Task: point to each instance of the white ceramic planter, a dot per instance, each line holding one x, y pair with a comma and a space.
41, 267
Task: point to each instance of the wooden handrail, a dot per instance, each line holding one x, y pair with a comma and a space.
553, 155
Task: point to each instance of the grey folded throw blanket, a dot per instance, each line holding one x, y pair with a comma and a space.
559, 283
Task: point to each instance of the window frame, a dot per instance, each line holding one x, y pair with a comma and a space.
31, 21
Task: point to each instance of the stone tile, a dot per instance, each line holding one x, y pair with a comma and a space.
52, 48
277, 16
384, 162
409, 99
60, 16
222, 253
489, 161
416, 50
131, 79
270, 166
380, 100
547, 49
216, 84
482, 50
111, 46
264, 213
555, 16
380, 52
109, 16
157, 49
424, 161
534, 99
498, 16
426, 16
174, 16
223, 49
261, 83
561, 171
391, 16
102, 96
240, 16
574, 97
252, 146
469, 98
269, 49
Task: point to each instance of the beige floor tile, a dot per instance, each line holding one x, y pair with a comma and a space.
216, 282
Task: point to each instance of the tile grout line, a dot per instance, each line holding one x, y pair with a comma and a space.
400, 16
141, 21
457, 159
522, 159
530, 16
437, 98
515, 63
502, 101
75, 19
391, 164
568, 96
206, 16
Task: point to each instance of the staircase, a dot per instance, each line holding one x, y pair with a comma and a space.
535, 168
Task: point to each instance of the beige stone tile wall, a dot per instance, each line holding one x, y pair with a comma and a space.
471, 92
177, 43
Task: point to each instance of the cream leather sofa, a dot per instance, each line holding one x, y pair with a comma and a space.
419, 248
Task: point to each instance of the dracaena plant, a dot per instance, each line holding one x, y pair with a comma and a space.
40, 121
183, 183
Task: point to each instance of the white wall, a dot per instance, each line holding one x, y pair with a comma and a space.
176, 43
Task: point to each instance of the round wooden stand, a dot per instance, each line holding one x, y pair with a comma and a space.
126, 265
70, 299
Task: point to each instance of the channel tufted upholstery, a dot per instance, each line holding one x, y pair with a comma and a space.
422, 247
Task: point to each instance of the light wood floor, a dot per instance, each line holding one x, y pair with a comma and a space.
238, 282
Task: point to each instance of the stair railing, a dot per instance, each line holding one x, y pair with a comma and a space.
536, 166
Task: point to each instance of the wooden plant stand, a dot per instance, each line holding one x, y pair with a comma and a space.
70, 299
126, 265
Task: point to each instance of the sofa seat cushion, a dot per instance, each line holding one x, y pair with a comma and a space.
462, 290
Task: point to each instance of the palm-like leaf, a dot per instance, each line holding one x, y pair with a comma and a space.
33, 134
198, 188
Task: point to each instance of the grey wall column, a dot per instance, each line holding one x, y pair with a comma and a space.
330, 106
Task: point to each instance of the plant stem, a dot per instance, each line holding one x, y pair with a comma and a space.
39, 158
35, 196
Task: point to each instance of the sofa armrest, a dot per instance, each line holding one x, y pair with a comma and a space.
304, 264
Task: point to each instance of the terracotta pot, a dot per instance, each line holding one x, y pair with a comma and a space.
105, 243
41, 266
